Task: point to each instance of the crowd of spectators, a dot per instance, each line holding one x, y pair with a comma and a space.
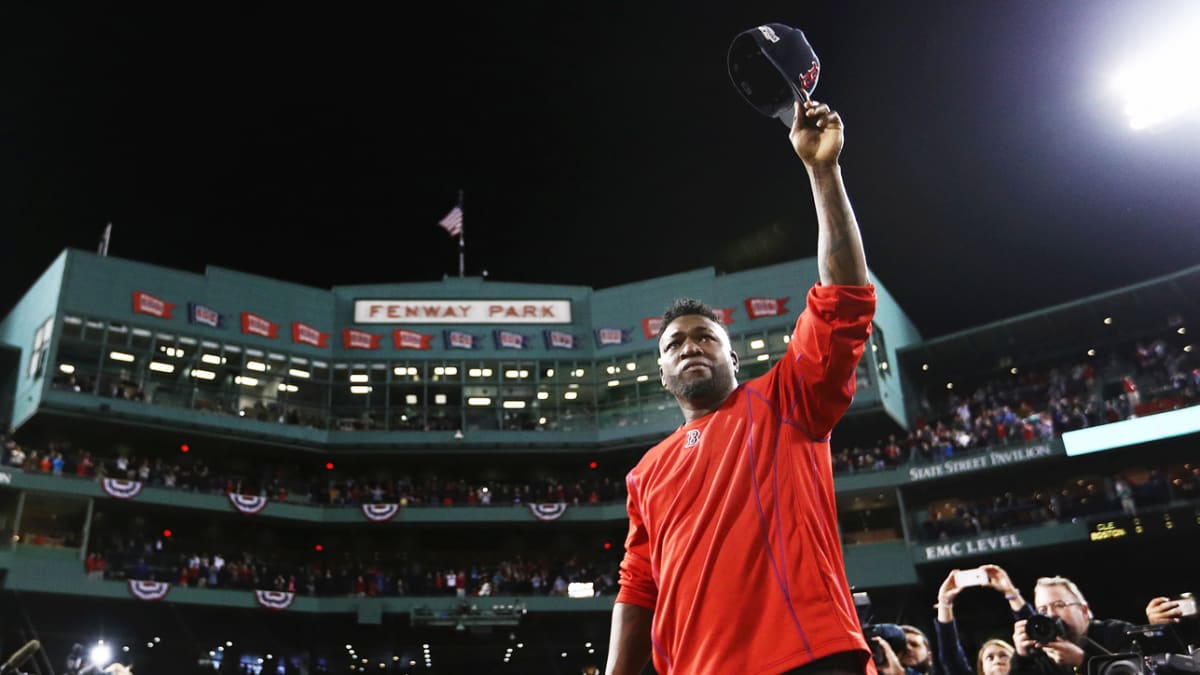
1147, 490
286, 484
1041, 405
155, 560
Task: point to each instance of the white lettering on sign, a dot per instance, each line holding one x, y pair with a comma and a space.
5, 478
1004, 542
462, 311
994, 458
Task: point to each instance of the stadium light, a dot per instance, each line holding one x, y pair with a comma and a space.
100, 655
1159, 86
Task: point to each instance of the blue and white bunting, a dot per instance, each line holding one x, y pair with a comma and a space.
456, 339
506, 339
557, 339
606, 337
208, 316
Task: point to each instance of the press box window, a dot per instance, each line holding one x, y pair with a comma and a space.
41, 344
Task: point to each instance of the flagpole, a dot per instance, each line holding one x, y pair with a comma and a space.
104, 239
462, 238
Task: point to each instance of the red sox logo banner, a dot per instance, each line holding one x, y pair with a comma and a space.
651, 326
459, 340
247, 504
357, 339
144, 303
276, 600
725, 314
207, 316
150, 591
757, 307
410, 339
557, 339
121, 489
380, 513
306, 334
253, 324
546, 511
611, 336
506, 339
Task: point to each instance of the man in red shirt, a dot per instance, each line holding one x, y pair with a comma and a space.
733, 562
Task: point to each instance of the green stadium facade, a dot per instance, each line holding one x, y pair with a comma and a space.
469, 372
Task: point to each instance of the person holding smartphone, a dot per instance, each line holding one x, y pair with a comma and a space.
951, 655
1172, 611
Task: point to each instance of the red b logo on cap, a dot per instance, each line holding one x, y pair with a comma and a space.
807, 80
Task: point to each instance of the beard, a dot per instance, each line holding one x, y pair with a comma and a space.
711, 389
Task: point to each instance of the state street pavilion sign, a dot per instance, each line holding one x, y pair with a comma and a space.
462, 311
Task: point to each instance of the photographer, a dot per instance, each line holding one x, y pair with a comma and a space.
950, 650
917, 658
1063, 636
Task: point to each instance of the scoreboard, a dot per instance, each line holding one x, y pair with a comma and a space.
1166, 521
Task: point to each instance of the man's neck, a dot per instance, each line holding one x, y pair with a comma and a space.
694, 409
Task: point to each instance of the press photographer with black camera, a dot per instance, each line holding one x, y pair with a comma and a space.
879, 635
1063, 635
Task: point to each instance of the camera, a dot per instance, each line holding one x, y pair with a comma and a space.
1154, 653
1045, 629
1133, 663
890, 632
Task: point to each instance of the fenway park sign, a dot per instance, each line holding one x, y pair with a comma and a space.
462, 311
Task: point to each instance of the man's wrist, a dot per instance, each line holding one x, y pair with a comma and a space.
823, 169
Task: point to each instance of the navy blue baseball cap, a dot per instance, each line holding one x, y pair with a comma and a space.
773, 66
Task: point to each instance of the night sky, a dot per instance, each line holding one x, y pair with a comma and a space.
598, 143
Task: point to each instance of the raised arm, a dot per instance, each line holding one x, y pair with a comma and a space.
950, 650
817, 138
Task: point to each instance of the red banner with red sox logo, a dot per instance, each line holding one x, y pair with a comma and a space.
308, 335
144, 303
757, 307
357, 339
410, 339
253, 324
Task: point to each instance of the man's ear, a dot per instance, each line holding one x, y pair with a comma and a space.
734, 357
662, 378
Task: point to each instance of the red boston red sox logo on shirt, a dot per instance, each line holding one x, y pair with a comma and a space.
693, 438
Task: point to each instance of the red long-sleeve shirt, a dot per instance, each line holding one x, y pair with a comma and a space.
733, 539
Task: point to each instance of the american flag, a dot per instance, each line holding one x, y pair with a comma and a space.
453, 222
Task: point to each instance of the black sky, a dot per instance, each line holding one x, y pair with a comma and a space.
598, 143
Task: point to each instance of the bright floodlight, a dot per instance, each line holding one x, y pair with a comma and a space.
1161, 85
100, 655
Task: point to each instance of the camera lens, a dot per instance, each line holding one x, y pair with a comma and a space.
1042, 628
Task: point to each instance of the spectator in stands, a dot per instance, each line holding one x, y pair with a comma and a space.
693, 605
950, 650
16, 455
1125, 495
1059, 597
